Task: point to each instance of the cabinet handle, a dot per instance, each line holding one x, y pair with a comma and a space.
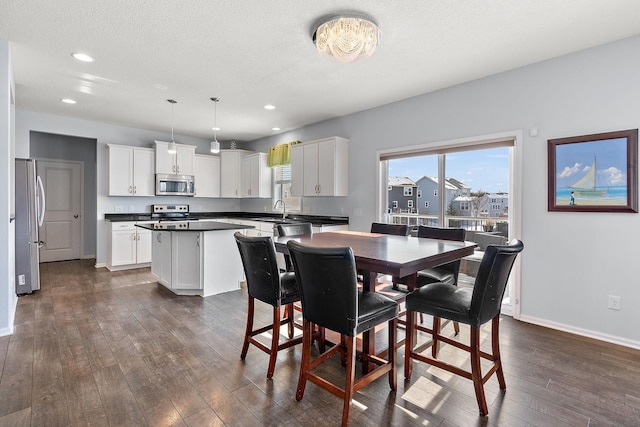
133, 236
130, 189
174, 168
198, 241
159, 237
138, 234
178, 168
134, 190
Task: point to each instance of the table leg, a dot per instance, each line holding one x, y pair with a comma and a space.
412, 283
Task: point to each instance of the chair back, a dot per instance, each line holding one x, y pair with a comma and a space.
393, 229
260, 267
491, 281
326, 280
295, 229
455, 234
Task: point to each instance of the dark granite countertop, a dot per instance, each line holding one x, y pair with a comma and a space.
316, 220
193, 226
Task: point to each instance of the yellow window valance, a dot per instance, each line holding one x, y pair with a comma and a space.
279, 155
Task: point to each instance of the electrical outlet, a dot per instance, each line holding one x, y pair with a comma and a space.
117, 208
21, 279
614, 302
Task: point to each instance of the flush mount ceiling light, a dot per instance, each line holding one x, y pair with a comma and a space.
347, 38
68, 100
269, 107
172, 149
215, 145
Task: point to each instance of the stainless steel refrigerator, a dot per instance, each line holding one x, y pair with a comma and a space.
30, 205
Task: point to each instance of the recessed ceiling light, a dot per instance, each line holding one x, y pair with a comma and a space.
216, 128
269, 107
275, 128
82, 57
68, 100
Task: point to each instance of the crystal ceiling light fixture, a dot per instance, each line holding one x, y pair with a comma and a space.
347, 38
215, 145
172, 149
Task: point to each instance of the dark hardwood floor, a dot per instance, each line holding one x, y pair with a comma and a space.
116, 349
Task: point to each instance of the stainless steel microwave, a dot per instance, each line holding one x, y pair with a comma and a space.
174, 185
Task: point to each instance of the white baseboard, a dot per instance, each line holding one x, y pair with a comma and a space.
87, 256
6, 331
100, 265
582, 332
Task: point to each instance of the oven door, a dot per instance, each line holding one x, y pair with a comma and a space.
174, 185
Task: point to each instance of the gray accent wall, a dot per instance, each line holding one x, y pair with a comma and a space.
64, 147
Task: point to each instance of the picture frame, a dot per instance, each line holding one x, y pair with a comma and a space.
594, 173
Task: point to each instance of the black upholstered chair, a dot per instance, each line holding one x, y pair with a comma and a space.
393, 229
473, 307
446, 273
293, 230
267, 284
331, 299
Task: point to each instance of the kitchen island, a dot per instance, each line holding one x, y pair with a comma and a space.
196, 258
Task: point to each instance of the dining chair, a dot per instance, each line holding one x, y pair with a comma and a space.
473, 307
330, 299
293, 230
446, 273
393, 229
265, 283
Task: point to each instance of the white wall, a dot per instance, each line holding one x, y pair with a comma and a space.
8, 297
571, 261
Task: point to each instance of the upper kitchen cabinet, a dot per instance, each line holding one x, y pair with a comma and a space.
180, 163
207, 175
130, 171
320, 168
231, 172
256, 176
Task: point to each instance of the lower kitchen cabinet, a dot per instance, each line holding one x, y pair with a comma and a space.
196, 263
129, 246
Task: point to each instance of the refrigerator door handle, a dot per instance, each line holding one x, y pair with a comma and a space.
42, 203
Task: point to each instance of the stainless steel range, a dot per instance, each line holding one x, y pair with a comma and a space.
171, 213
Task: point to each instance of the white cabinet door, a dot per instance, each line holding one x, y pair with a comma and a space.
143, 246
297, 170
144, 182
207, 175
231, 172
310, 166
165, 161
184, 159
186, 261
119, 170
161, 256
123, 247
245, 176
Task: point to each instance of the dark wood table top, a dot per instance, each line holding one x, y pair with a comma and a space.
398, 256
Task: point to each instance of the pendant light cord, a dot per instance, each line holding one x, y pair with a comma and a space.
171, 101
215, 119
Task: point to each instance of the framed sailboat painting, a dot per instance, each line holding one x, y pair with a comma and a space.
594, 173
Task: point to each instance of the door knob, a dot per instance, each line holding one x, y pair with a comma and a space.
75, 216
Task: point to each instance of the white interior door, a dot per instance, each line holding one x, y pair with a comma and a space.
61, 229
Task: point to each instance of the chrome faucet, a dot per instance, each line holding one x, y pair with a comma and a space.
284, 207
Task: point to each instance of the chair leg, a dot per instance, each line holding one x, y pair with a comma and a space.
275, 340
495, 350
289, 316
350, 379
307, 331
393, 377
476, 373
435, 347
408, 343
249, 328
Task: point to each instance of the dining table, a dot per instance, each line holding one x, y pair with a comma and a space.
398, 256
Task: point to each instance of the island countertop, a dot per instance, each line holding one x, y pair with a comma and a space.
197, 226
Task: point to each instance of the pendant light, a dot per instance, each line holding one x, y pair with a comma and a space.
173, 149
215, 145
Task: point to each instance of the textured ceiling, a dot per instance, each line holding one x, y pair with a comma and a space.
249, 53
